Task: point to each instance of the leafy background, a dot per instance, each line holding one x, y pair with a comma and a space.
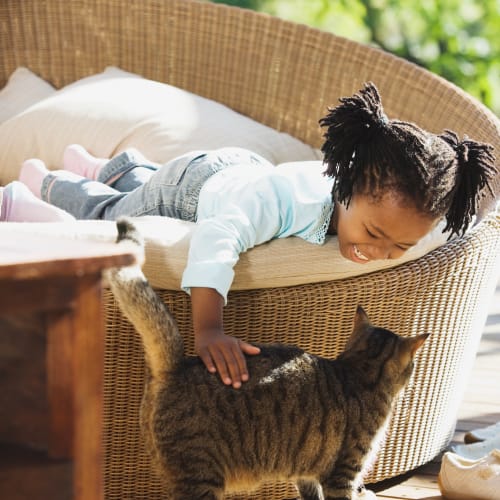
457, 39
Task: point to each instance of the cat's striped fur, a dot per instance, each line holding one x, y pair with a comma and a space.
300, 417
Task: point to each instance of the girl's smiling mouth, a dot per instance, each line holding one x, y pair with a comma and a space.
359, 256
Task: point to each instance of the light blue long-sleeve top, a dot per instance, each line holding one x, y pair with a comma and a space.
246, 205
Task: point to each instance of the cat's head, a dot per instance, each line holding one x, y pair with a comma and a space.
380, 352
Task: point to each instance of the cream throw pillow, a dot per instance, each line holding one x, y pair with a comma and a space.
115, 109
23, 89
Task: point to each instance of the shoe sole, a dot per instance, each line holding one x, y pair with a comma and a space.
455, 496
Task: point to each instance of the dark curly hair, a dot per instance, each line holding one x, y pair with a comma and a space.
367, 153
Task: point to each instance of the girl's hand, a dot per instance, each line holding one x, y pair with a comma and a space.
225, 355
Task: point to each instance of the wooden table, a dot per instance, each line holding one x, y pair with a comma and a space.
63, 279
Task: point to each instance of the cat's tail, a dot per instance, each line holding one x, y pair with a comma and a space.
163, 345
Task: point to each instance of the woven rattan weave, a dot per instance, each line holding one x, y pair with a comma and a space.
284, 75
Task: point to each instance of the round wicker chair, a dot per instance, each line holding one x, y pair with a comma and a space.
283, 75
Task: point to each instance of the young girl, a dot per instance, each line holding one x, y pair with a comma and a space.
387, 183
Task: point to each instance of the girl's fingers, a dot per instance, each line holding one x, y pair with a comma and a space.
222, 368
207, 361
249, 348
233, 364
238, 367
229, 361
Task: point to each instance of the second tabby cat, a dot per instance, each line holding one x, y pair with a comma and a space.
300, 417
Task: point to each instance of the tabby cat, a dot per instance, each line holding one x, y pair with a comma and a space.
300, 417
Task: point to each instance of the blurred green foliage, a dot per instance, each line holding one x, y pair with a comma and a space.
457, 39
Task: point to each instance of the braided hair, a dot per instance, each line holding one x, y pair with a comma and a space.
367, 153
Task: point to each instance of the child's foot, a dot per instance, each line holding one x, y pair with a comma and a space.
19, 204
482, 434
32, 174
460, 478
78, 160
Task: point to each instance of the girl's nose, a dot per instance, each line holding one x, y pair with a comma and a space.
385, 252
396, 253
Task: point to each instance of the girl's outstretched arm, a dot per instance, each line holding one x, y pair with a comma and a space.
220, 352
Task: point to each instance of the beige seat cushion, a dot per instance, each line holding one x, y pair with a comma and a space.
281, 262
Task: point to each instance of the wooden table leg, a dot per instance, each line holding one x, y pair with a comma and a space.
75, 360
88, 355
60, 335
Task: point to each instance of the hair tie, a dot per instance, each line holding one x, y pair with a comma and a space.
384, 120
378, 122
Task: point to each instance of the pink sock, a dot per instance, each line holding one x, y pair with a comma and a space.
32, 174
78, 160
19, 204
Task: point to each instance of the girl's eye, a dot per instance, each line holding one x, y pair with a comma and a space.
370, 233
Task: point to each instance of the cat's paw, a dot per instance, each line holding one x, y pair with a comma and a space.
365, 494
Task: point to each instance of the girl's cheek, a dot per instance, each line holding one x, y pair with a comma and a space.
395, 254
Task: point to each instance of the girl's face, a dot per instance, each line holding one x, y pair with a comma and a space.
373, 229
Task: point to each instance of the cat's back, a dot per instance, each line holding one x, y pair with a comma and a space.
282, 420
276, 363
283, 381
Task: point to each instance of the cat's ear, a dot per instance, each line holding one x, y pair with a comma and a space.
361, 320
415, 343
361, 325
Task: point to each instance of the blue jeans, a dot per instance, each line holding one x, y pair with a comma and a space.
127, 186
